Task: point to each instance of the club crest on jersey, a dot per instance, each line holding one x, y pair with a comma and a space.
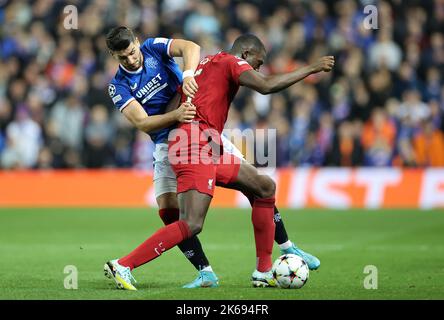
150, 62
210, 184
111, 90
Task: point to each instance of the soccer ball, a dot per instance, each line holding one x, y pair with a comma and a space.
290, 271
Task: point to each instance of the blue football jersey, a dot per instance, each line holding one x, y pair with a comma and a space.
153, 85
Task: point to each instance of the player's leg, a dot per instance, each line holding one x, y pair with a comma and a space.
232, 173
191, 223
165, 187
192, 247
193, 208
162, 240
286, 246
195, 194
281, 237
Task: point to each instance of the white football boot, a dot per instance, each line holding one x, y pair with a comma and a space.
121, 275
263, 279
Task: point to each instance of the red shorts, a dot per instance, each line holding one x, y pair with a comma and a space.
203, 177
198, 169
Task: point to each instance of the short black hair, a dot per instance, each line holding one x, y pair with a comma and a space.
247, 41
119, 38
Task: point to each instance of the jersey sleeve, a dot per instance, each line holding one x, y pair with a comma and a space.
236, 67
159, 46
120, 94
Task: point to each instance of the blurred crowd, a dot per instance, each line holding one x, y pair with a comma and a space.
383, 105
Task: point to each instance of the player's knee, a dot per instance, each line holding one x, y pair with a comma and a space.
267, 188
194, 226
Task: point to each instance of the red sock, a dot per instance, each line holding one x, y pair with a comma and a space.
164, 239
169, 215
264, 227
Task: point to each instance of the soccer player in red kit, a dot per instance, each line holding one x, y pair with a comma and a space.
194, 153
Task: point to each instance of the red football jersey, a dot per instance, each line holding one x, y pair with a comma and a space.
218, 80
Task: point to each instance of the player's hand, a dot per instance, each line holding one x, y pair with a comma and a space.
189, 86
323, 64
185, 112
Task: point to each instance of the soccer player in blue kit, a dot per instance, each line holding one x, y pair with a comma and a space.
145, 83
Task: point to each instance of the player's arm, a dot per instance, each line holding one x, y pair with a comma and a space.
173, 103
274, 83
142, 121
190, 52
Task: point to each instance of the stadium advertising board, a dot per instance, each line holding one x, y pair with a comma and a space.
297, 188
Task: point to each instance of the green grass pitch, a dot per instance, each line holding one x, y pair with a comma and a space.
406, 246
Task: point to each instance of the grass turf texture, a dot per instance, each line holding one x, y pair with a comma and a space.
406, 246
